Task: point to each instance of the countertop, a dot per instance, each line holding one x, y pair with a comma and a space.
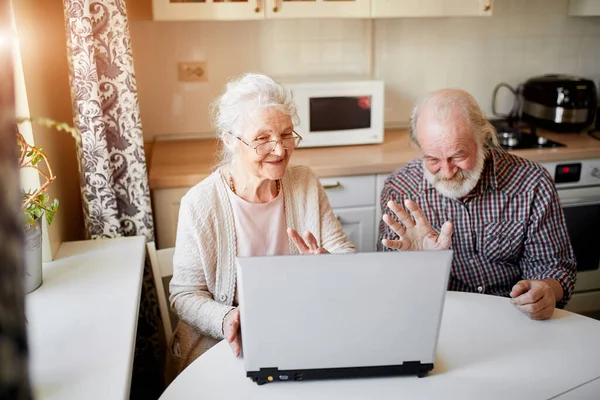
82, 320
183, 163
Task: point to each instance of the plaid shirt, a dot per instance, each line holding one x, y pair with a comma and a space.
510, 227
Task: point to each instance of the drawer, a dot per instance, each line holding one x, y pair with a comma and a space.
350, 191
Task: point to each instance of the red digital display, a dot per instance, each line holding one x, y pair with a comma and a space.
567, 173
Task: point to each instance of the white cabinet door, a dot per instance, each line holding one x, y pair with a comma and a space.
358, 224
165, 203
210, 10
280, 9
380, 180
430, 8
584, 8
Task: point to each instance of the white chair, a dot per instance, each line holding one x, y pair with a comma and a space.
162, 269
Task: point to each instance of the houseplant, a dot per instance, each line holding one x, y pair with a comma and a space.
36, 203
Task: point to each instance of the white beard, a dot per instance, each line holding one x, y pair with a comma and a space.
461, 183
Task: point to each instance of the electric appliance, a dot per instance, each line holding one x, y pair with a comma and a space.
578, 186
304, 320
338, 112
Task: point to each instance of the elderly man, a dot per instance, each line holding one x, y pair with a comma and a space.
510, 237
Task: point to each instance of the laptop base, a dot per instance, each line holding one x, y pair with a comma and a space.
266, 375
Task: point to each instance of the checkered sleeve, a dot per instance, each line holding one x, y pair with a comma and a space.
548, 252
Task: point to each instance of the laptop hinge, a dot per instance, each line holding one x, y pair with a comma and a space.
265, 375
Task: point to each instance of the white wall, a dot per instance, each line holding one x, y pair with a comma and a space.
524, 38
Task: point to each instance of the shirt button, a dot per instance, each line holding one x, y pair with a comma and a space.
222, 297
480, 289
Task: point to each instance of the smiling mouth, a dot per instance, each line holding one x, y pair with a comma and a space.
274, 162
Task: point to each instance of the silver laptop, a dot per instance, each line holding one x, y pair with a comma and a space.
345, 315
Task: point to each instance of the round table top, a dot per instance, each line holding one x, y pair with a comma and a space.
486, 349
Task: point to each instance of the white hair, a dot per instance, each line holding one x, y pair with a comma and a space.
243, 96
441, 104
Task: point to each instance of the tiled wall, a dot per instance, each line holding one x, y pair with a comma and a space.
524, 38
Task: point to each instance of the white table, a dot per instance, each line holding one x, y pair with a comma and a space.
83, 319
487, 350
587, 391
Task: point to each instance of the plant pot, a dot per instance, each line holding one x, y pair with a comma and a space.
33, 257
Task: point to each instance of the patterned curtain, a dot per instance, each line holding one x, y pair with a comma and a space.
14, 381
114, 182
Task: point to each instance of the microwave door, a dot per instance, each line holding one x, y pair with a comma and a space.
328, 114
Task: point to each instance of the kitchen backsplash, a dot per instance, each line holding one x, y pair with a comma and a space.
412, 56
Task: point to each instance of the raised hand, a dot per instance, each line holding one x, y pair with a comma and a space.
415, 234
306, 245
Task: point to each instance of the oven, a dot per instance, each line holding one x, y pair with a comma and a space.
578, 186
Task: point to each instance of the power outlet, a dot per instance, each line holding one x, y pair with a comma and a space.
192, 71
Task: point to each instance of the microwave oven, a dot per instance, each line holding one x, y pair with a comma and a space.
339, 112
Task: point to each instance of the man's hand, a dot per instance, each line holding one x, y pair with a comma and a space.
537, 299
308, 245
231, 331
417, 234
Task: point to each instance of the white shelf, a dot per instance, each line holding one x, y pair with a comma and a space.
82, 321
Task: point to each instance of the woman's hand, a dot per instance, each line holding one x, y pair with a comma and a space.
417, 234
231, 331
308, 245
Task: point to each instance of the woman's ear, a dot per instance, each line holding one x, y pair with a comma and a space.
228, 142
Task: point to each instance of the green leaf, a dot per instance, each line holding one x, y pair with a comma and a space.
43, 197
51, 211
49, 217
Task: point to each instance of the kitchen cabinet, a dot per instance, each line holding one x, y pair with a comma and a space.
228, 10
165, 203
280, 9
379, 181
430, 8
207, 10
358, 224
353, 199
584, 8
231, 10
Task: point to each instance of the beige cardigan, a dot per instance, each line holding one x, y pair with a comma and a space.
204, 272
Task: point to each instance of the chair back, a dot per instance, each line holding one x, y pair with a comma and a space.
162, 269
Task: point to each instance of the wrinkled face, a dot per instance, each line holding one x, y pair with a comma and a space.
452, 156
264, 125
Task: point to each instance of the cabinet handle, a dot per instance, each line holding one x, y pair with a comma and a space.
332, 185
275, 8
257, 9
488, 6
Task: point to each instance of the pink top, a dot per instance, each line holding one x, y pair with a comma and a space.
260, 228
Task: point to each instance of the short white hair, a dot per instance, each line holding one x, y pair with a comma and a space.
242, 96
443, 103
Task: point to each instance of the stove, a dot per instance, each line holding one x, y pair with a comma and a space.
521, 136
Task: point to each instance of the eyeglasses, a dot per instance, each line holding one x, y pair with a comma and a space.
264, 148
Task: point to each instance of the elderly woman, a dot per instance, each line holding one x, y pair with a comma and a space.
254, 204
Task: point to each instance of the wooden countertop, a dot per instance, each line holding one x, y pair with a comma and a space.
183, 163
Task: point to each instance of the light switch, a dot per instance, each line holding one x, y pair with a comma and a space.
192, 71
